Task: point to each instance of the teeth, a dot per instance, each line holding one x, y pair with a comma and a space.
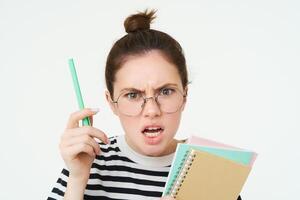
155, 134
153, 128
152, 131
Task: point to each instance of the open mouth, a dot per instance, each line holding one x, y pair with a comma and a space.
152, 131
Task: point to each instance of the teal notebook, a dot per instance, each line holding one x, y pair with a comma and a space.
239, 156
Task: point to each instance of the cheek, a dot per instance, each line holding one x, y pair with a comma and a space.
129, 124
172, 121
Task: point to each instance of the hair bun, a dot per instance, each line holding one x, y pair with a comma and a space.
139, 21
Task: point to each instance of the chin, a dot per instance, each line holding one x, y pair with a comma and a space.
153, 151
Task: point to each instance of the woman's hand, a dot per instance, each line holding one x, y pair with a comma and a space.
78, 146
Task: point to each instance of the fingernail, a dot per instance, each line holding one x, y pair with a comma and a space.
95, 110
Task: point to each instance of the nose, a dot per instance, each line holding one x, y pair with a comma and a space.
151, 108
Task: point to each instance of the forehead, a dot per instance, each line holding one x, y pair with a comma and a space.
146, 71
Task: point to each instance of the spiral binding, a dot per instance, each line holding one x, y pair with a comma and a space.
182, 173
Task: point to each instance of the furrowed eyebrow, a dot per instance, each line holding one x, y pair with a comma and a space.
157, 89
130, 89
167, 85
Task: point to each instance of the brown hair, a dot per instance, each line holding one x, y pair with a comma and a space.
139, 40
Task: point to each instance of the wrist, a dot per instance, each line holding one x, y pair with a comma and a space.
78, 180
75, 188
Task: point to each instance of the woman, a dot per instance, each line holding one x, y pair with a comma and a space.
146, 80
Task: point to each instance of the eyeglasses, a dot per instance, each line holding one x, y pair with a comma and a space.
169, 100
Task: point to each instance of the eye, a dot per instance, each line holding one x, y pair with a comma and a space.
166, 91
132, 95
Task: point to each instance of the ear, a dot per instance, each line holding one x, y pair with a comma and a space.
110, 102
185, 99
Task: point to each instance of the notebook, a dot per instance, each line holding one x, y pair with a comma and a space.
196, 140
242, 157
205, 176
213, 153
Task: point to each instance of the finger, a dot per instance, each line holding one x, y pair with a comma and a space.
75, 117
85, 130
86, 139
91, 120
72, 151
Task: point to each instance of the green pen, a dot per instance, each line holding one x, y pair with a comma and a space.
85, 121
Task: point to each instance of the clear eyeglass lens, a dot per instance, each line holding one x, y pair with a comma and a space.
131, 103
170, 101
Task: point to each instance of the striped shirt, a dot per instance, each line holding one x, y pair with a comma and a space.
121, 173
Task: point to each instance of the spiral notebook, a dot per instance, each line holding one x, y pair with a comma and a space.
205, 176
196, 140
242, 157
215, 152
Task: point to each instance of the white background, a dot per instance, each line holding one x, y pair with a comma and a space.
243, 59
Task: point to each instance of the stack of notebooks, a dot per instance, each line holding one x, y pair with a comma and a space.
203, 169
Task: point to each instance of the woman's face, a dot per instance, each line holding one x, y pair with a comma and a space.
152, 131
